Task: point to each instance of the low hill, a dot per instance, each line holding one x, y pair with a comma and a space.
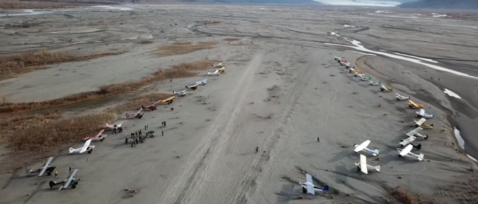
442, 4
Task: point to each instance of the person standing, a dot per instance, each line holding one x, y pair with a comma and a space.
257, 149
318, 139
56, 173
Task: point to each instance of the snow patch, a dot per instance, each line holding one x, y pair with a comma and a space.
334, 34
437, 15
349, 26
360, 47
451, 93
420, 58
459, 139
114, 8
471, 158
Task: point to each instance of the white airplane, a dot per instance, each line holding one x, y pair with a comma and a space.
116, 125
357, 74
420, 122
86, 148
202, 82
407, 152
309, 187
138, 114
45, 168
219, 65
71, 181
402, 98
409, 141
374, 83
180, 93
422, 114
415, 133
364, 167
100, 136
363, 147
215, 73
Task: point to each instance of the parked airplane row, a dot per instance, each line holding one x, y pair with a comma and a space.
406, 144
72, 181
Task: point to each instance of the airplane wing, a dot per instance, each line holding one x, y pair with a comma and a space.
85, 146
363, 164
406, 150
362, 146
308, 178
139, 111
67, 183
310, 189
101, 132
45, 166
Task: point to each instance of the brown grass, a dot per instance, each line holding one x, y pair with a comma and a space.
44, 136
145, 99
11, 66
179, 71
406, 197
181, 48
30, 5
145, 41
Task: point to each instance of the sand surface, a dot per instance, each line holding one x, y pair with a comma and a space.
282, 90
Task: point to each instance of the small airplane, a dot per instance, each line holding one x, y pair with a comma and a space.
401, 98
219, 65
46, 168
366, 78
72, 181
168, 100
100, 136
363, 147
422, 114
215, 73
409, 141
116, 126
202, 82
407, 152
415, 133
359, 75
138, 114
374, 83
412, 104
421, 123
193, 87
364, 167
355, 71
86, 148
180, 93
309, 187
221, 70
384, 88
151, 107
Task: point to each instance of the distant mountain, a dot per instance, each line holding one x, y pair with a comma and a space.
294, 2
442, 4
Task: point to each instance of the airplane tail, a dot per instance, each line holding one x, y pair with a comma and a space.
72, 150
128, 115
325, 189
377, 168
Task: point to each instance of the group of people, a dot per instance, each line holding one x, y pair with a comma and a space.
137, 137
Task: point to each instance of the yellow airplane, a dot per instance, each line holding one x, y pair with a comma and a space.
222, 69
384, 88
355, 70
412, 104
168, 100
421, 123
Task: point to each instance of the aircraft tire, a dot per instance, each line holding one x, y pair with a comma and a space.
89, 152
399, 155
304, 190
48, 173
73, 186
426, 136
358, 168
102, 140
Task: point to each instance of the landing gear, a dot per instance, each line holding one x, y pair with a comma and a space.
89, 152
304, 190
